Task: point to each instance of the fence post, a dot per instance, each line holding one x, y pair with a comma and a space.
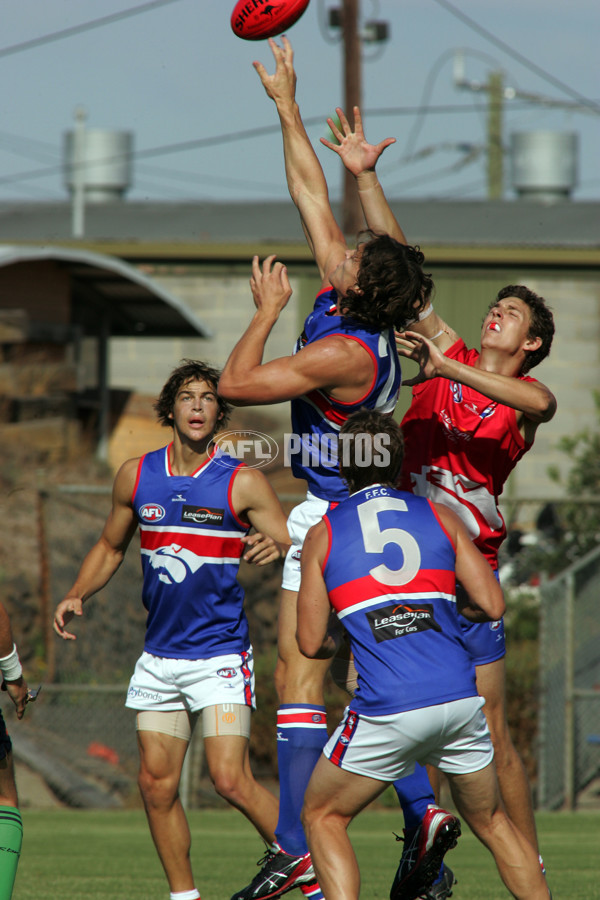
542, 798
569, 697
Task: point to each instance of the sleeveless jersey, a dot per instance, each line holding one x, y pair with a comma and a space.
191, 550
460, 449
317, 417
390, 575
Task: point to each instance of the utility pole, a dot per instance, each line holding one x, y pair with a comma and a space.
352, 217
78, 174
495, 152
346, 19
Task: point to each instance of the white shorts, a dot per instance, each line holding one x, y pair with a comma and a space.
191, 684
453, 737
301, 518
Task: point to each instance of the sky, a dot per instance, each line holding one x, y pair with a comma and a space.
173, 74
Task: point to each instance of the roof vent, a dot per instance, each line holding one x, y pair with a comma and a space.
544, 164
99, 162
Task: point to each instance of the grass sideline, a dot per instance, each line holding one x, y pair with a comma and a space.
101, 855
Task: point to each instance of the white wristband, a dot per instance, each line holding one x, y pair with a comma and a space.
10, 666
420, 317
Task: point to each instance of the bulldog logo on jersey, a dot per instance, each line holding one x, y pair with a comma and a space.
174, 562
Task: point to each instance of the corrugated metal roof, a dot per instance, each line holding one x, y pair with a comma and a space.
519, 223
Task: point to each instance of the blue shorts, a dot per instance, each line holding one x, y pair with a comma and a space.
485, 640
5, 741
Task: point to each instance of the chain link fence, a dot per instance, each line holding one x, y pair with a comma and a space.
82, 741
569, 717
81, 738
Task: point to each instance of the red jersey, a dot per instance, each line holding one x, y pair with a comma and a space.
460, 449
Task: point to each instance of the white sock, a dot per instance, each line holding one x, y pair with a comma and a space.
194, 894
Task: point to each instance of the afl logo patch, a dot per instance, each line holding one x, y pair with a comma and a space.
226, 673
152, 512
494, 626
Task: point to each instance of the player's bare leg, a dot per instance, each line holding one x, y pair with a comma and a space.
297, 679
477, 798
512, 777
161, 761
332, 799
228, 761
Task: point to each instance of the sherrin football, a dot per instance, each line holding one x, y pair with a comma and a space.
257, 20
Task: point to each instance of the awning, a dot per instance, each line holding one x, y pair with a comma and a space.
133, 304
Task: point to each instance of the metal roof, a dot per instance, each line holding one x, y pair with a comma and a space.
509, 223
134, 304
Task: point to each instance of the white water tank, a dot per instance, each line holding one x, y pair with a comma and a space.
102, 160
544, 164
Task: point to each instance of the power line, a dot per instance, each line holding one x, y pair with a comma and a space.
231, 137
518, 56
85, 26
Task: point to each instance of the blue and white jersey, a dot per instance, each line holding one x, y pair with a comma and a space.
191, 549
390, 575
317, 417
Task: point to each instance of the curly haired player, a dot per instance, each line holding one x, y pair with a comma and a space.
344, 359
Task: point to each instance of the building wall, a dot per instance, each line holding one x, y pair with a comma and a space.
221, 298
42, 290
572, 371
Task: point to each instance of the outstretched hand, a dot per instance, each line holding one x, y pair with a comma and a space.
353, 148
270, 285
66, 609
281, 86
424, 352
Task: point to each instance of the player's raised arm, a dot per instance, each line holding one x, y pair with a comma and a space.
332, 362
106, 555
305, 177
531, 398
360, 158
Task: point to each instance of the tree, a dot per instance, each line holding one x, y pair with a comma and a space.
579, 516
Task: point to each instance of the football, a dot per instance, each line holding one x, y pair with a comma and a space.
257, 20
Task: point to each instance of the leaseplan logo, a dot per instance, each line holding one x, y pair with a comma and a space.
253, 448
202, 515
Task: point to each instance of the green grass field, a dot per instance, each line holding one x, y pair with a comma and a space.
78, 855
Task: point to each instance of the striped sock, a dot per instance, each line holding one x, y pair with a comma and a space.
312, 891
301, 736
